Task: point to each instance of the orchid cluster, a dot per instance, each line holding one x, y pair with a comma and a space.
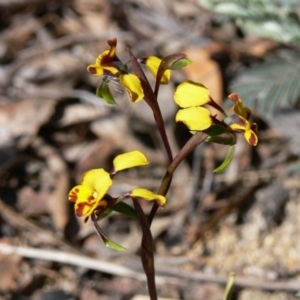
92, 198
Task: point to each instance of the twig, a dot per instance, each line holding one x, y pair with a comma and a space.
167, 275
72, 259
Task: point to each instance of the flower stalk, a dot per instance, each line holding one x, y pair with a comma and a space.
92, 196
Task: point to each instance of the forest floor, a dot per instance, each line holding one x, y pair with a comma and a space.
53, 128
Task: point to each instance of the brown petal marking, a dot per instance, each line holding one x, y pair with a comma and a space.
73, 195
234, 97
253, 139
92, 70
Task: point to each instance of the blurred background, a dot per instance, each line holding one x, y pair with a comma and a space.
53, 128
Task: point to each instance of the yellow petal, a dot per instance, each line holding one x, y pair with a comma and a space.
84, 198
133, 86
152, 64
238, 107
190, 94
129, 160
81, 193
251, 137
95, 70
101, 56
148, 195
195, 118
83, 209
97, 180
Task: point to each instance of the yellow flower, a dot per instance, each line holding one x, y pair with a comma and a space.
191, 96
92, 195
242, 125
239, 122
152, 64
107, 63
88, 196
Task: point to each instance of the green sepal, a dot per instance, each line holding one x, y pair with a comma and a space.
180, 64
109, 243
103, 92
174, 61
125, 209
226, 161
229, 287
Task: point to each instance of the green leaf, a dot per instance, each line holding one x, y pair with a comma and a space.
109, 243
229, 287
174, 61
103, 92
226, 161
215, 130
105, 214
125, 209
180, 64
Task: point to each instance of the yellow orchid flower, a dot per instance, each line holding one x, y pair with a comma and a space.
239, 121
91, 195
107, 63
242, 125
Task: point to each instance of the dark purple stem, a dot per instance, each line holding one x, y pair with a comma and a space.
147, 250
192, 143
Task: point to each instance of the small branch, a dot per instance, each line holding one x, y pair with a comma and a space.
198, 138
69, 258
167, 275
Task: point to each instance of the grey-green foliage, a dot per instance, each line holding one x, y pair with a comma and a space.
273, 19
272, 85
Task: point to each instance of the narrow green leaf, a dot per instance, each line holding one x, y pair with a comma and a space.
180, 64
109, 243
227, 160
103, 92
125, 209
229, 287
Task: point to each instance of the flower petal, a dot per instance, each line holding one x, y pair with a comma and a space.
97, 180
83, 209
190, 94
81, 193
95, 70
239, 124
238, 107
133, 86
251, 137
152, 64
148, 195
195, 118
129, 160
